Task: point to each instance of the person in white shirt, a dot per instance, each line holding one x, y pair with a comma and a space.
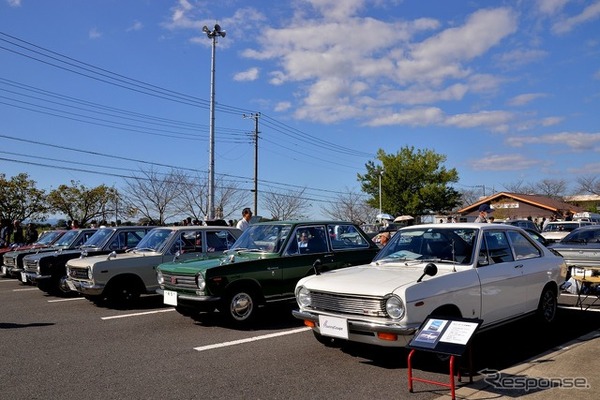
245, 221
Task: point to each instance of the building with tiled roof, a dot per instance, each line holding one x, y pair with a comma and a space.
520, 206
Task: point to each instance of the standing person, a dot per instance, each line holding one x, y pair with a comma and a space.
5, 233
31, 234
484, 210
245, 221
18, 237
75, 224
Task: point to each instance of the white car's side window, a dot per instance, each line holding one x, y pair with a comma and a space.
522, 247
498, 248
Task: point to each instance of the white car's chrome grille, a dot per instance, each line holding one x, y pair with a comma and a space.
370, 306
78, 273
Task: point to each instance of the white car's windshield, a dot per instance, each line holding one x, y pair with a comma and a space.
443, 244
268, 238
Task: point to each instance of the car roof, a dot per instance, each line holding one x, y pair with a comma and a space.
198, 227
465, 225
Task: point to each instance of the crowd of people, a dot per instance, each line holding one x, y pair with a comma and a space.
11, 233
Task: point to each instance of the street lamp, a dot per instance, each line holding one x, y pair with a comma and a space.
216, 32
380, 175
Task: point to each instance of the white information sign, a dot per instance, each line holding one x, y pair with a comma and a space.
459, 332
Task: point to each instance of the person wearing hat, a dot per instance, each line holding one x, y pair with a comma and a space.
484, 210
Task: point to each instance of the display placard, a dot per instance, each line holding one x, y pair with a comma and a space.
445, 335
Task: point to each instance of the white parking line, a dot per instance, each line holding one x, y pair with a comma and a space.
137, 314
252, 339
70, 299
7, 281
25, 290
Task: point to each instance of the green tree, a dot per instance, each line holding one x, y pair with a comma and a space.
413, 182
81, 203
20, 199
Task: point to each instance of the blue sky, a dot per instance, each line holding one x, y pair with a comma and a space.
507, 90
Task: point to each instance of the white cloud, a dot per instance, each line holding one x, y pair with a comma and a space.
94, 33
520, 57
249, 75
507, 162
482, 118
550, 7
413, 117
589, 13
347, 70
525, 98
578, 141
14, 3
282, 106
136, 26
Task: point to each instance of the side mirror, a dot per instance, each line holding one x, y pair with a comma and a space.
317, 266
482, 260
429, 270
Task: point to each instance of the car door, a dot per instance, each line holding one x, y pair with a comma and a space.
533, 268
297, 260
501, 278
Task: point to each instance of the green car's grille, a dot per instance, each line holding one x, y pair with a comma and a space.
371, 306
172, 281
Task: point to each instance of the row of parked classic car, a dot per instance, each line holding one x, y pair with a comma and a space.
347, 289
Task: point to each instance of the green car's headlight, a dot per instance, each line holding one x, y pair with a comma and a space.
200, 282
394, 307
303, 297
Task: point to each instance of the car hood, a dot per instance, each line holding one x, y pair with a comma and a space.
191, 267
370, 280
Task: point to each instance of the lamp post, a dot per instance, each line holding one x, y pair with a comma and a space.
216, 32
380, 175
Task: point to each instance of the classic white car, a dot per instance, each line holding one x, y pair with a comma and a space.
493, 272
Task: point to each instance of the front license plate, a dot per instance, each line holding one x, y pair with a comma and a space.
170, 297
23, 277
71, 286
333, 326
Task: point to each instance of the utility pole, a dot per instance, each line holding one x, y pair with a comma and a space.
255, 116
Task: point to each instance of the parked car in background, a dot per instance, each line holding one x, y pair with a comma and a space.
263, 266
122, 278
522, 223
555, 231
493, 272
580, 248
46, 240
71, 239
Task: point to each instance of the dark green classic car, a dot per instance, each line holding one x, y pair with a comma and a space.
262, 266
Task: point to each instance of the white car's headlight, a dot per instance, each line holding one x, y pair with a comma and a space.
303, 297
159, 277
200, 282
89, 273
394, 307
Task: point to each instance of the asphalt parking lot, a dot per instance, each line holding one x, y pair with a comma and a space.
69, 348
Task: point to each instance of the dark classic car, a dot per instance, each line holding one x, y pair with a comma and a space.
70, 240
49, 272
263, 266
9, 259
